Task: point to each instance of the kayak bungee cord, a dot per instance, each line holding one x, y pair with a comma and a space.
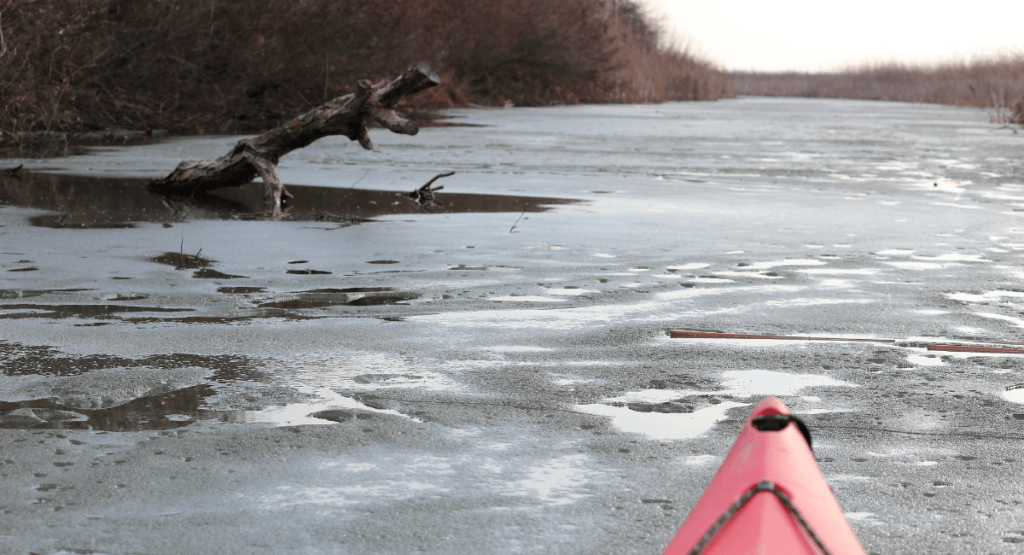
763, 485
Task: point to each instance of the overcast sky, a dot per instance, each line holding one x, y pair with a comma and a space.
829, 35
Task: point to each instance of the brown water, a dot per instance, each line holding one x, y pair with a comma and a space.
91, 202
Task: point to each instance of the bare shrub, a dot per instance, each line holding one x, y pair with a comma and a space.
528, 51
985, 83
203, 66
646, 72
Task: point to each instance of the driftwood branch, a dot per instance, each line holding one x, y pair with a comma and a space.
424, 196
346, 115
12, 172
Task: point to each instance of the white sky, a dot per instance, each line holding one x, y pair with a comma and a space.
829, 35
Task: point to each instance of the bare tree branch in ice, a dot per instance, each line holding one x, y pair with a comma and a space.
424, 196
346, 115
12, 172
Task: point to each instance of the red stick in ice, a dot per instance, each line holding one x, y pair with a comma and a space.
974, 349
679, 334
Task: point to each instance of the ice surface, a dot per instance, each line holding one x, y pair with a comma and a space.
485, 421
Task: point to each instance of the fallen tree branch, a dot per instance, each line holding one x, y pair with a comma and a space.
346, 115
424, 196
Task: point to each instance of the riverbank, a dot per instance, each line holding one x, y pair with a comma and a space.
201, 67
996, 84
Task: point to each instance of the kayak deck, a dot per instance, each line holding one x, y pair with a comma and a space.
768, 497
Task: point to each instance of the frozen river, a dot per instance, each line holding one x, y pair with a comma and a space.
473, 380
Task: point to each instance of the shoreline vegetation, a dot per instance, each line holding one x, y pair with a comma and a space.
996, 84
76, 72
86, 70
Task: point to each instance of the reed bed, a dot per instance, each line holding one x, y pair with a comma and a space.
996, 84
228, 66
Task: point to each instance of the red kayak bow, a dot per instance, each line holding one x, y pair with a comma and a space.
768, 497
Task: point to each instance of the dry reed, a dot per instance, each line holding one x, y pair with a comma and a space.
991, 83
223, 66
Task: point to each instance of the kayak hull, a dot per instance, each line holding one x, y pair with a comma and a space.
782, 462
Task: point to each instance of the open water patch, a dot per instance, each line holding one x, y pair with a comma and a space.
241, 290
29, 293
326, 299
81, 202
145, 413
663, 426
326, 408
183, 261
157, 392
676, 414
180, 408
84, 311
18, 359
